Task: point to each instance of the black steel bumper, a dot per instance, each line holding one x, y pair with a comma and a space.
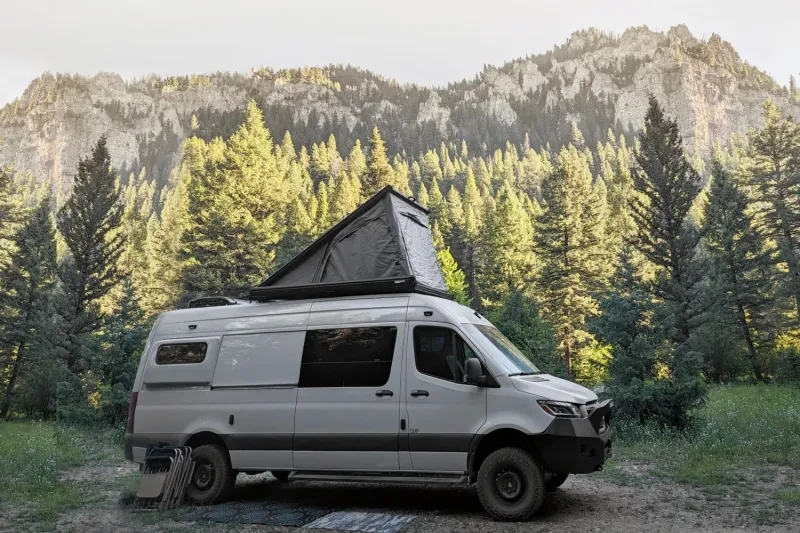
577, 445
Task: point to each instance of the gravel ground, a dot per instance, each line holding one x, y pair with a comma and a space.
588, 503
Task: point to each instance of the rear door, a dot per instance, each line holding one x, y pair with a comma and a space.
348, 398
444, 413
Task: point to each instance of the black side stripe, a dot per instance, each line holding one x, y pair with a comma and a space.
346, 442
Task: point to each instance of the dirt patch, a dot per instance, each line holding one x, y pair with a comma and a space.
584, 503
98, 473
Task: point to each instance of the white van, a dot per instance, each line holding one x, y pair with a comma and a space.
389, 388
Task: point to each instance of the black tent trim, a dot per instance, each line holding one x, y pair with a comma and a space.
272, 289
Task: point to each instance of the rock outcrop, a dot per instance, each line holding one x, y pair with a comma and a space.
705, 85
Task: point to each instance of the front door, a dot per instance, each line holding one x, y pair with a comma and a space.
444, 413
348, 399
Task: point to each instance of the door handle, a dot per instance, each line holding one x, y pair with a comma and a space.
384, 393
416, 393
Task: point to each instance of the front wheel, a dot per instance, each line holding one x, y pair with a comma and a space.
213, 477
511, 485
555, 481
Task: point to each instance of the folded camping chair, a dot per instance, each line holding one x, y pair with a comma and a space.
165, 473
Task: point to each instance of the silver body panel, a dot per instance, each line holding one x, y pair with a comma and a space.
246, 390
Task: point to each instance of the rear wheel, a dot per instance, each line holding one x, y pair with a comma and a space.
280, 475
213, 477
511, 485
555, 481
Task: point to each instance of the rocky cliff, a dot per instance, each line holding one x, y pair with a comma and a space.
596, 80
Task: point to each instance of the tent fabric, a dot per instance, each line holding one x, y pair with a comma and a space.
387, 238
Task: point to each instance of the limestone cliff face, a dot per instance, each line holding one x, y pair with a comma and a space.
705, 85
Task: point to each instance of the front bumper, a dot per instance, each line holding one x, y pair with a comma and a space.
577, 445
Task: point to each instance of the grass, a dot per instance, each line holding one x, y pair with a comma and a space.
740, 430
742, 449
32, 454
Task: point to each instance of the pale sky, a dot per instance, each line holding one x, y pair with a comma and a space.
430, 42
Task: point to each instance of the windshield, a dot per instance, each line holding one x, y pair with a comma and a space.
503, 350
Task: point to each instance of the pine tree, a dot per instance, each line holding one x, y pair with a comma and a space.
422, 195
323, 209
573, 245
505, 262
235, 217
667, 185
453, 276
10, 212
456, 237
400, 168
26, 288
431, 168
356, 162
740, 258
379, 172
345, 199
775, 175
472, 207
89, 221
438, 206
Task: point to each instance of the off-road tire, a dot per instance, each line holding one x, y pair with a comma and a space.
213, 477
530, 478
280, 475
555, 481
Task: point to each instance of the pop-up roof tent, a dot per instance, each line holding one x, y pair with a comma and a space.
384, 246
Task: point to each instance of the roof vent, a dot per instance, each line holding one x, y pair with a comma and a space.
211, 301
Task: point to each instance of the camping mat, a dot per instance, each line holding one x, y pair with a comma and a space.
274, 514
355, 521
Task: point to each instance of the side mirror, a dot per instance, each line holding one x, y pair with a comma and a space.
474, 373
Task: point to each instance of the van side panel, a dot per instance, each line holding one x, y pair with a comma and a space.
352, 427
249, 398
256, 383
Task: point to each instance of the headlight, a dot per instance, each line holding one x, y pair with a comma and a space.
562, 409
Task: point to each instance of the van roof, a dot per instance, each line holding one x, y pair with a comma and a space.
457, 312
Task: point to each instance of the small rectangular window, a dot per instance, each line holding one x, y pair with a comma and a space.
348, 357
181, 354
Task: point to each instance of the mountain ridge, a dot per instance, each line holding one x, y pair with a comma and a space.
597, 80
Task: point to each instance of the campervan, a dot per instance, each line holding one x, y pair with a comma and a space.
380, 380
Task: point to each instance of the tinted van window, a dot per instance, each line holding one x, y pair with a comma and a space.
441, 353
181, 354
347, 357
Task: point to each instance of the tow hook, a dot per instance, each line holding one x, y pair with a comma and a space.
598, 468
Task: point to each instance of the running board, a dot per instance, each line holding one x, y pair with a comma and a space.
391, 477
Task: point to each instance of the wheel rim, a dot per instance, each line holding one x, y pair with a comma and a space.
509, 485
203, 476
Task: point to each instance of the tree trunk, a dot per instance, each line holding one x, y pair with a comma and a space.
12, 380
751, 349
742, 316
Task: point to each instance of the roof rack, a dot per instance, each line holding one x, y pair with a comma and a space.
211, 301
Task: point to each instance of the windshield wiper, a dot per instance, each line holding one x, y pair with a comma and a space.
526, 373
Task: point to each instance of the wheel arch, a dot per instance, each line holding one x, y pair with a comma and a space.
484, 444
202, 438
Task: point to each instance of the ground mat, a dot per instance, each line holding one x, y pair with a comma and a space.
356, 521
273, 514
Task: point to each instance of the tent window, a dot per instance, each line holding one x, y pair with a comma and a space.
441, 353
181, 354
347, 357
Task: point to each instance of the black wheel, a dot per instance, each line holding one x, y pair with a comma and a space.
213, 477
280, 475
555, 481
511, 485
